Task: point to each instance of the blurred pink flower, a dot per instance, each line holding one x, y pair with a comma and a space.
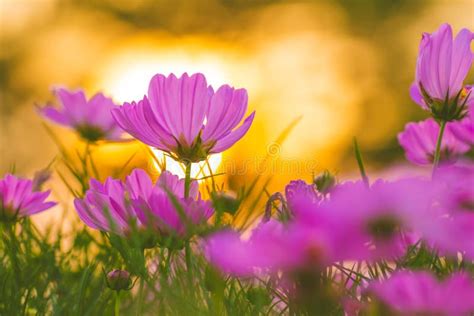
300, 190
298, 194
355, 223
18, 198
91, 118
372, 223
419, 142
420, 293
464, 129
272, 247
441, 68
185, 117
452, 230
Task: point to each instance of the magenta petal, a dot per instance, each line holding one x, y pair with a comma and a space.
195, 100
139, 184
99, 107
162, 93
85, 215
461, 59
74, 103
464, 129
55, 116
180, 104
229, 253
227, 141
417, 96
131, 118
228, 107
444, 64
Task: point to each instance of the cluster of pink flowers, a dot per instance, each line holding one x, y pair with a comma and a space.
383, 222
320, 225
139, 205
442, 66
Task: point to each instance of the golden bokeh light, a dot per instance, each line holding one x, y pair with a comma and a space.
127, 74
199, 170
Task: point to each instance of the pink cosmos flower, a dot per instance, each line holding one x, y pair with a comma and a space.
419, 293
299, 189
90, 118
185, 117
272, 247
298, 192
163, 206
441, 68
452, 230
419, 142
355, 223
464, 129
369, 224
105, 207
18, 198
172, 217
139, 204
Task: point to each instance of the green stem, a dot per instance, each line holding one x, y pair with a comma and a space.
360, 162
187, 179
140, 297
167, 263
187, 253
187, 184
13, 250
117, 303
213, 182
438, 146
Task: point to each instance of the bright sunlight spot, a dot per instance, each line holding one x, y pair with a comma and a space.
198, 170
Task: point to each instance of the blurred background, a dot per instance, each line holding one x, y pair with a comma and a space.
342, 67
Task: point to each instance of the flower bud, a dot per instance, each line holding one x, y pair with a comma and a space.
324, 182
258, 297
118, 280
40, 178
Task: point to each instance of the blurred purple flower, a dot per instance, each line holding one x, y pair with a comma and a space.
441, 68
299, 192
119, 280
452, 230
297, 189
185, 117
355, 223
464, 129
91, 118
18, 198
272, 247
369, 224
420, 293
419, 142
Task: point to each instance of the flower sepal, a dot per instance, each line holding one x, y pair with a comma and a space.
449, 109
195, 153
